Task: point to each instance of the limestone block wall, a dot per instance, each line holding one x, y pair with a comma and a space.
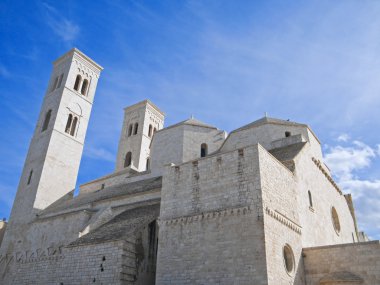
211, 228
267, 133
194, 136
281, 220
167, 147
92, 264
360, 259
316, 221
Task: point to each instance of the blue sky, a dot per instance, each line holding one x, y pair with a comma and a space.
226, 62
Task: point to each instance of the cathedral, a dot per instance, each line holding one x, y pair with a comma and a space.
186, 204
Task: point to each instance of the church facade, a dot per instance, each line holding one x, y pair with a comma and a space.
186, 204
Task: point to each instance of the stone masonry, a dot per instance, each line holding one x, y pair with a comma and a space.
186, 204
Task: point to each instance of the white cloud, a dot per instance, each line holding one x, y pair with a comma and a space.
99, 153
343, 138
344, 163
66, 29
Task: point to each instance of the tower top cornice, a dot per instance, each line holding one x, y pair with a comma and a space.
74, 51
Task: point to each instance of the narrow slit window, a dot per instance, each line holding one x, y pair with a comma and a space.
30, 177
46, 121
77, 82
310, 199
84, 87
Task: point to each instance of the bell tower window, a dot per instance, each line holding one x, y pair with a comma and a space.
84, 87
77, 82
71, 125
46, 121
128, 159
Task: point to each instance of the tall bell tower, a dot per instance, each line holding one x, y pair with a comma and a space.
52, 163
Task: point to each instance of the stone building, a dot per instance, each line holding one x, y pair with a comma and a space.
187, 204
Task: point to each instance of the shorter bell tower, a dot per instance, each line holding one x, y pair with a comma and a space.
141, 121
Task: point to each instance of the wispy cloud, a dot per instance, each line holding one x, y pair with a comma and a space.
343, 138
346, 162
66, 29
99, 154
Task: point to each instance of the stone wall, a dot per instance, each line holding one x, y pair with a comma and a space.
211, 228
316, 220
338, 263
281, 220
93, 264
3, 226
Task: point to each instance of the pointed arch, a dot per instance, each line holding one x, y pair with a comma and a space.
46, 121
68, 124
77, 82
84, 87
128, 159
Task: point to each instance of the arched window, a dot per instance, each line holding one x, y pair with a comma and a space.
136, 129
147, 163
84, 87
203, 150
154, 130
128, 159
74, 126
150, 131
68, 124
30, 176
130, 130
55, 84
60, 80
288, 134
310, 199
77, 82
46, 121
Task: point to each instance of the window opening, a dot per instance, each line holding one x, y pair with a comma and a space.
30, 177
203, 150
77, 82
128, 159
46, 121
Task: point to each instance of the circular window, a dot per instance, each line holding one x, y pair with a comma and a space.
335, 219
288, 258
